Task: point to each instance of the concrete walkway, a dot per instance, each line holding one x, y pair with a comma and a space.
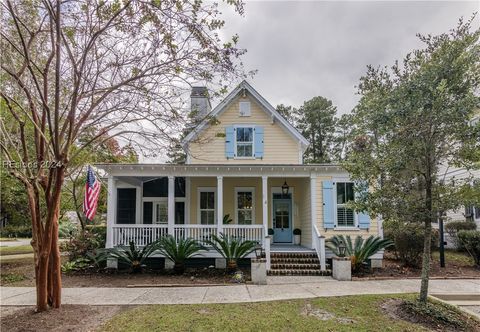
278, 288
15, 243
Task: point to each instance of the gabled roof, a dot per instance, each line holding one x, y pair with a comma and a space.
266, 106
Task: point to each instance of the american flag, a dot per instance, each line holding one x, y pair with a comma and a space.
92, 190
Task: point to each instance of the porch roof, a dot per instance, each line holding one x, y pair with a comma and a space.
231, 170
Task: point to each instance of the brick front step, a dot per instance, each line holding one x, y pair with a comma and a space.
293, 266
295, 261
299, 273
293, 255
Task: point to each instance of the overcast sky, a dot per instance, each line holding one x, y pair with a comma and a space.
305, 49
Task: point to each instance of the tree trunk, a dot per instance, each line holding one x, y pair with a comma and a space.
426, 261
427, 243
55, 269
45, 236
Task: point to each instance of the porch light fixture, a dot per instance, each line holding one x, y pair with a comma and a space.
285, 188
341, 249
259, 251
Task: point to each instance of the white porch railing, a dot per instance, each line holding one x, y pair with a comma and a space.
143, 234
319, 244
245, 232
140, 234
201, 233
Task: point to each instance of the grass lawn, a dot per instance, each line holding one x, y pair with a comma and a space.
461, 258
351, 313
26, 249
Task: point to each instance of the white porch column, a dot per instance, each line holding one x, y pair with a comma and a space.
219, 204
111, 208
265, 204
171, 204
313, 205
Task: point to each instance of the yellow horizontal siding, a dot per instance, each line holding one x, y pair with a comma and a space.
279, 146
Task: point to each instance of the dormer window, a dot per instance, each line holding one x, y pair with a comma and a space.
244, 107
244, 142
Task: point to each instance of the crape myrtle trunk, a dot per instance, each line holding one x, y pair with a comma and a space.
45, 240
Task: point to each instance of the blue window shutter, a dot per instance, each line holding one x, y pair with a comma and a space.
229, 142
328, 205
363, 218
258, 153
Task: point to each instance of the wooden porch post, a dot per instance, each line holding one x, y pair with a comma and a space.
171, 205
219, 204
111, 208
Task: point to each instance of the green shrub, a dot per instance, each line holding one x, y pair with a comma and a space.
76, 265
453, 227
297, 231
67, 229
360, 250
408, 239
83, 244
231, 248
178, 251
470, 240
100, 231
132, 256
14, 231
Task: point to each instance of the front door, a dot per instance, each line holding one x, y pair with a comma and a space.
282, 220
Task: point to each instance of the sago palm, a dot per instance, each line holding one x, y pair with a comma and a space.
231, 248
360, 250
132, 255
179, 252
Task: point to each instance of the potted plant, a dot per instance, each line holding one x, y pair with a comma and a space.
297, 232
227, 220
270, 233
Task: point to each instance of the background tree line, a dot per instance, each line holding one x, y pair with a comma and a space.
317, 120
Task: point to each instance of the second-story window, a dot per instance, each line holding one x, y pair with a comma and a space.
244, 142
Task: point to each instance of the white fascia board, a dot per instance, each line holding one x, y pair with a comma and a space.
150, 171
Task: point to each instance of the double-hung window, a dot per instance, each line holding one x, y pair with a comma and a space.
206, 206
244, 142
244, 206
345, 194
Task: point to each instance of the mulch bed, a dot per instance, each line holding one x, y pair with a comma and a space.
68, 318
399, 309
193, 276
394, 269
106, 278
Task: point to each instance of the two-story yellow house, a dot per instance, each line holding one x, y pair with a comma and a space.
244, 160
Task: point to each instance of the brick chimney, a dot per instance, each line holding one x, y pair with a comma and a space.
200, 102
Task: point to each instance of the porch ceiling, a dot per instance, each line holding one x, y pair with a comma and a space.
145, 172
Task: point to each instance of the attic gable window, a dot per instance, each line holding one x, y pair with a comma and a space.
244, 107
244, 142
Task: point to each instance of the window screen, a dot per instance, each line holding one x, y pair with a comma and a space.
126, 202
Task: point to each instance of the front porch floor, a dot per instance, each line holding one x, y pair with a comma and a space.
284, 247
